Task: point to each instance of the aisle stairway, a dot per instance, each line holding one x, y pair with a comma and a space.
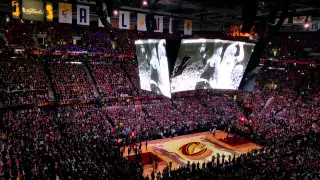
47, 75
1, 98
91, 78
3, 37
269, 101
35, 40
129, 80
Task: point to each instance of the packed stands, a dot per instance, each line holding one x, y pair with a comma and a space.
70, 142
20, 35
78, 140
23, 81
293, 46
70, 79
111, 78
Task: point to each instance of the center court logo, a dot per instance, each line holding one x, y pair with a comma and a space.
195, 151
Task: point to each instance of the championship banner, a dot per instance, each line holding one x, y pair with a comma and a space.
141, 22
124, 20
104, 8
49, 12
83, 13
170, 25
100, 23
301, 19
315, 26
159, 23
115, 24
32, 10
65, 13
187, 27
16, 9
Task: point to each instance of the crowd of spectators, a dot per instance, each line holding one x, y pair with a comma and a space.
70, 79
178, 117
294, 46
78, 141
279, 114
285, 107
60, 37
20, 34
111, 78
54, 136
67, 37
67, 142
23, 81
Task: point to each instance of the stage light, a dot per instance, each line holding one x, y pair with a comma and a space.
144, 3
115, 12
242, 119
7, 19
306, 25
132, 134
22, 21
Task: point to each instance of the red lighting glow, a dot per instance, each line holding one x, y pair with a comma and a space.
132, 134
242, 119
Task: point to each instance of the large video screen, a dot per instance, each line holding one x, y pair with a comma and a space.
32, 10
153, 66
210, 64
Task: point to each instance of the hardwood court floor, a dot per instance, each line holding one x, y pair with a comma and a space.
196, 148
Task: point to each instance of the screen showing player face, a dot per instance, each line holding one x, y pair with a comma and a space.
210, 64
153, 66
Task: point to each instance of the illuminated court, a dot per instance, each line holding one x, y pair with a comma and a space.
196, 148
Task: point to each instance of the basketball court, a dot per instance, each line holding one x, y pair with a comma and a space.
196, 148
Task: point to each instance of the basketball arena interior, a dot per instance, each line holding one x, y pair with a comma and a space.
159, 90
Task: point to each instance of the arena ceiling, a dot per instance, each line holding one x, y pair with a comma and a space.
210, 10
226, 11
229, 8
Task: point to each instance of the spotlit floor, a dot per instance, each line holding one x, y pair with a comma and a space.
196, 148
